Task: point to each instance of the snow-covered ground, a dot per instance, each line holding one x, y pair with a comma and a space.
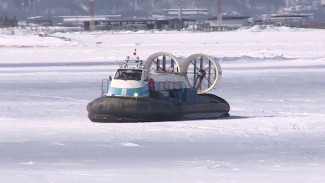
273, 78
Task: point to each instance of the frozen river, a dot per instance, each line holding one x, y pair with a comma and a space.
276, 131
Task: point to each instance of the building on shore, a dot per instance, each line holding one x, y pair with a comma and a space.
228, 22
291, 20
8, 22
140, 24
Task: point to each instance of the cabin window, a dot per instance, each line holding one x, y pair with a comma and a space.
128, 74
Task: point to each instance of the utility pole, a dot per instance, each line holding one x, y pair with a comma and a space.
49, 15
180, 15
219, 16
91, 10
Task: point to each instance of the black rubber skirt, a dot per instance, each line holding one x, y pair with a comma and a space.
115, 109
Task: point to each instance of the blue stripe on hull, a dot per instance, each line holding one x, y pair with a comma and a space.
142, 91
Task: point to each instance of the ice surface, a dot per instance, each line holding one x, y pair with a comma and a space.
273, 79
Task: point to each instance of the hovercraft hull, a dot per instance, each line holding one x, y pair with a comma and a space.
114, 109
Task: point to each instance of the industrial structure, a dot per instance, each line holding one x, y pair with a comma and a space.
196, 19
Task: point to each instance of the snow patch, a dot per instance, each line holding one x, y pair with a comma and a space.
28, 163
59, 144
129, 144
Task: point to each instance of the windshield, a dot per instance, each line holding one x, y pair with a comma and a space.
128, 74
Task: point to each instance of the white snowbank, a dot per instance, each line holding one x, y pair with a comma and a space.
112, 46
272, 28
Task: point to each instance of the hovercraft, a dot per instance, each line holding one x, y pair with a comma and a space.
160, 89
